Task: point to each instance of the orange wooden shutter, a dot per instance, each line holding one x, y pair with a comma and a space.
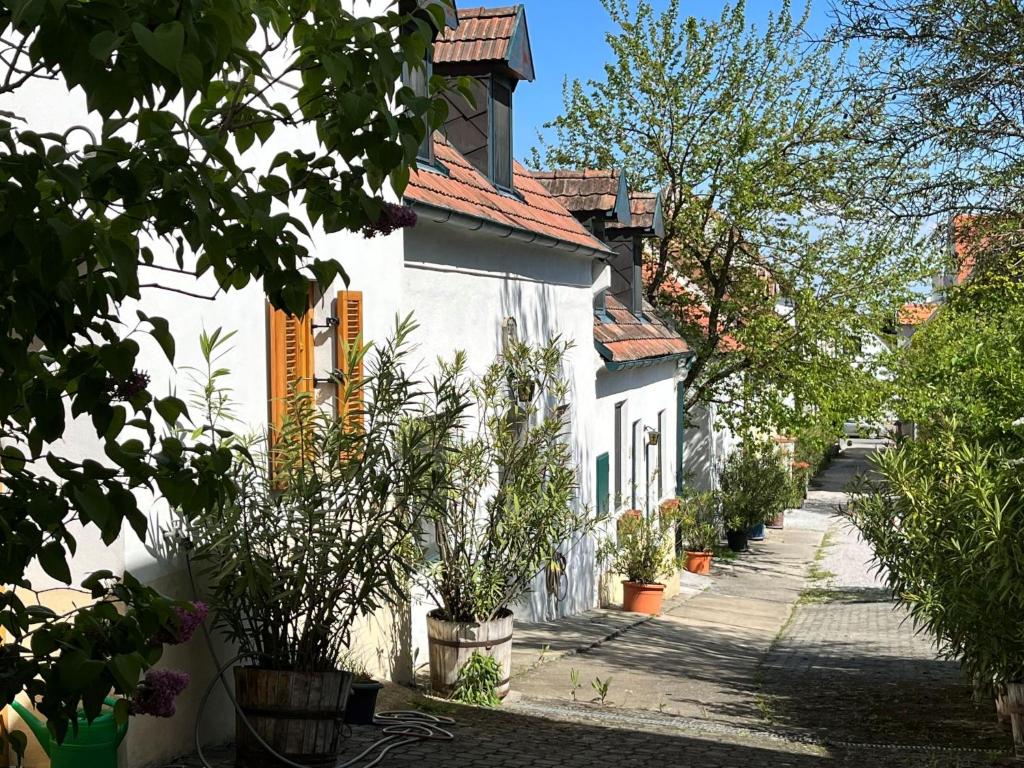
291, 361
349, 340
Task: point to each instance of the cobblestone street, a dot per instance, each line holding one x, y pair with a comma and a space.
792, 656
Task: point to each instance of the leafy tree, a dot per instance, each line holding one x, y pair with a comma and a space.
966, 364
774, 263
158, 195
948, 74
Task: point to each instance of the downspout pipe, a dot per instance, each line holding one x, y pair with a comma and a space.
473, 223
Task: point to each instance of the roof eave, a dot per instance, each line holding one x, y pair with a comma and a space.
643, 362
472, 222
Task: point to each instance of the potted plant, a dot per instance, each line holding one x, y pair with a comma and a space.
322, 530
755, 487
698, 523
362, 702
507, 503
643, 554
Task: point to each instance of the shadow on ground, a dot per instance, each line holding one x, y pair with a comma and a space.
502, 739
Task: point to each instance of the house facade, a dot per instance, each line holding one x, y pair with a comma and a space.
495, 250
638, 438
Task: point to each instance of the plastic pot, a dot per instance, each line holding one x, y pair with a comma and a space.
756, 532
698, 562
362, 703
737, 540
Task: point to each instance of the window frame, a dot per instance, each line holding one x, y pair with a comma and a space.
492, 134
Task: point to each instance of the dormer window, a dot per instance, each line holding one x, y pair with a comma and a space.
418, 79
501, 132
491, 46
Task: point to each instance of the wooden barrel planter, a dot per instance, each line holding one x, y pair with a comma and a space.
299, 715
451, 644
1013, 705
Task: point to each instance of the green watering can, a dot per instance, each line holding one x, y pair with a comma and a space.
95, 746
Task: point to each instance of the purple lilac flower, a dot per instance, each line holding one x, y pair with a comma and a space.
392, 217
156, 693
125, 389
189, 620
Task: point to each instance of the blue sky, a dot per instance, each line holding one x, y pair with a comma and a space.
568, 40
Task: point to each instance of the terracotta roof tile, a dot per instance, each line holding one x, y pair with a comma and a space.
641, 206
696, 315
915, 314
483, 34
628, 339
582, 191
465, 190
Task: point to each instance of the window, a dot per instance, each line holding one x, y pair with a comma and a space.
660, 448
501, 132
349, 354
620, 423
418, 79
639, 453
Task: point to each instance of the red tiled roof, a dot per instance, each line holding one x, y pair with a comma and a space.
628, 339
483, 34
914, 314
642, 206
582, 191
697, 315
465, 190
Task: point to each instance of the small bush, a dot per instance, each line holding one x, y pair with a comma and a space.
478, 681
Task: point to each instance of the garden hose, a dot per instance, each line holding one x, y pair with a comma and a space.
400, 727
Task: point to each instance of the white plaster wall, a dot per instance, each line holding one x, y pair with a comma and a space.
645, 392
460, 285
708, 445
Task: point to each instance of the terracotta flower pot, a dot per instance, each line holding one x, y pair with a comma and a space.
642, 598
698, 562
779, 521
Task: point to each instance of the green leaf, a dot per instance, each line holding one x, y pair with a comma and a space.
122, 710
164, 45
53, 559
103, 44
171, 409
126, 668
190, 70
18, 741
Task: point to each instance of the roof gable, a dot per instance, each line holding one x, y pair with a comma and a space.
488, 37
590, 192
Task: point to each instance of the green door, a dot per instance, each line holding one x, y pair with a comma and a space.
603, 495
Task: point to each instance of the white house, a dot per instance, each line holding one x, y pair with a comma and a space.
491, 249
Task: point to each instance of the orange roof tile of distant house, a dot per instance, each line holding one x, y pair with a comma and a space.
914, 313
461, 188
